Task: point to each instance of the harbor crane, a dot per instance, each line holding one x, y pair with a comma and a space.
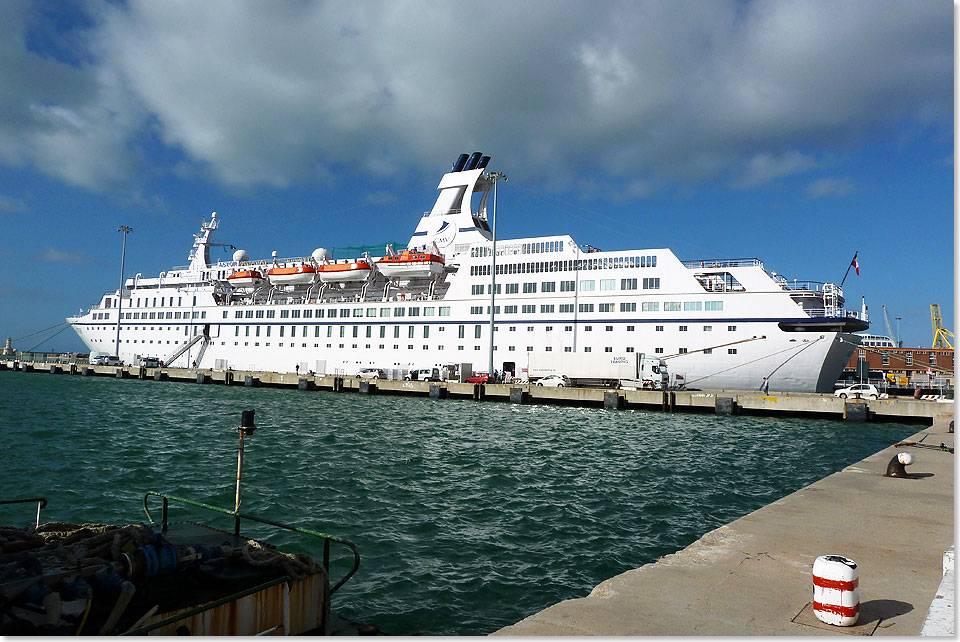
940, 334
886, 319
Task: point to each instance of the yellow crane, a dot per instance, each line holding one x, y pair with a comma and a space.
940, 333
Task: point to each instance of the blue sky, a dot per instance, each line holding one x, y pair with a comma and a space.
794, 132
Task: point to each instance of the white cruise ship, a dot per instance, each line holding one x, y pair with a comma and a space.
718, 323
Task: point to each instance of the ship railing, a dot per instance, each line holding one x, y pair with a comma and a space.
455, 210
41, 503
812, 286
238, 516
824, 312
723, 263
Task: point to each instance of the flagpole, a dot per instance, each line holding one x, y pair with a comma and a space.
848, 268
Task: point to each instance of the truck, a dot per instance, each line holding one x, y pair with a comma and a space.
617, 369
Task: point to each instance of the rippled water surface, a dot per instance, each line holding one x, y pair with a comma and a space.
468, 516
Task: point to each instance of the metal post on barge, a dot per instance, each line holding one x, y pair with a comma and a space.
245, 428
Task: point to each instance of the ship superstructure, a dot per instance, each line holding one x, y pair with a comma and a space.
721, 323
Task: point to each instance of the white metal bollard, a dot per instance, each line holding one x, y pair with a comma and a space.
836, 590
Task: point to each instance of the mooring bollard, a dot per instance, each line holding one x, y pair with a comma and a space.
479, 392
836, 590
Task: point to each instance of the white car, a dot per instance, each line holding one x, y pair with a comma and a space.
554, 381
860, 391
371, 373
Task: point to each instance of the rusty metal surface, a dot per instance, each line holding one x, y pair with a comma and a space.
287, 609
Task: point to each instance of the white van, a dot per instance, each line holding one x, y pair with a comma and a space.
424, 374
105, 360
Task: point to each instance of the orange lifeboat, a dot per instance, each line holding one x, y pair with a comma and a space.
345, 272
245, 279
298, 275
411, 265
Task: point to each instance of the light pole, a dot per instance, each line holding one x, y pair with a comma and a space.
899, 345
126, 229
495, 177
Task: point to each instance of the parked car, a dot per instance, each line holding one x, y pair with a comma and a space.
105, 360
424, 374
860, 391
554, 381
371, 373
478, 377
150, 362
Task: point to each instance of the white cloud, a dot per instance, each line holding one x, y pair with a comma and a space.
763, 168
826, 187
51, 255
12, 205
643, 92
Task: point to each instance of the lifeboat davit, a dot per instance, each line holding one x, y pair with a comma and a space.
245, 279
411, 265
344, 272
299, 275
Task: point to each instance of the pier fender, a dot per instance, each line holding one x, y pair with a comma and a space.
836, 590
898, 464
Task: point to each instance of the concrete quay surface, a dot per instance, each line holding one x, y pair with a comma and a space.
754, 575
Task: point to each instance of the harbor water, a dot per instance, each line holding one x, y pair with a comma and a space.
468, 516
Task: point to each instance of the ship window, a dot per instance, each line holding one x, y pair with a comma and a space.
410, 332
460, 331
682, 350
606, 307
399, 312
683, 328
329, 330
546, 309
284, 314
512, 288
344, 313
529, 288
356, 331
587, 286
588, 349
476, 331
281, 331
611, 284
371, 312
358, 312
628, 307
445, 310
384, 312
268, 332
238, 314
731, 328
608, 328
396, 332
383, 333
528, 309
713, 306
249, 314
671, 306
413, 312
731, 351
652, 283
271, 314
586, 307
259, 314
307, 314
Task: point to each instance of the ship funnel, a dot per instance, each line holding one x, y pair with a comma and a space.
474, 159
483, 162
461, 161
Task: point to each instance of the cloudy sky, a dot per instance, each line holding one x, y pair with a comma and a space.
795, 132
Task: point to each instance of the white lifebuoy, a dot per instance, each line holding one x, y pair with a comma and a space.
836, 590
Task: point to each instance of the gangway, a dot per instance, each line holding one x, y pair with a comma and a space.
203, 336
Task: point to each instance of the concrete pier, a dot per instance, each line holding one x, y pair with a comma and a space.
740, 402
753, 576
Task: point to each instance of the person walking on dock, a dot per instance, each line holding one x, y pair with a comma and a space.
765, 386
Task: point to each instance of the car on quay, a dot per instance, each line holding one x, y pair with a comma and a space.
478, 377
860, 391
554, 381
105, 360
371, 373
150, 362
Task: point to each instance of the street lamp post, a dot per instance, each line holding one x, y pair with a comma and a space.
495, 177
899, 345
126, 229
